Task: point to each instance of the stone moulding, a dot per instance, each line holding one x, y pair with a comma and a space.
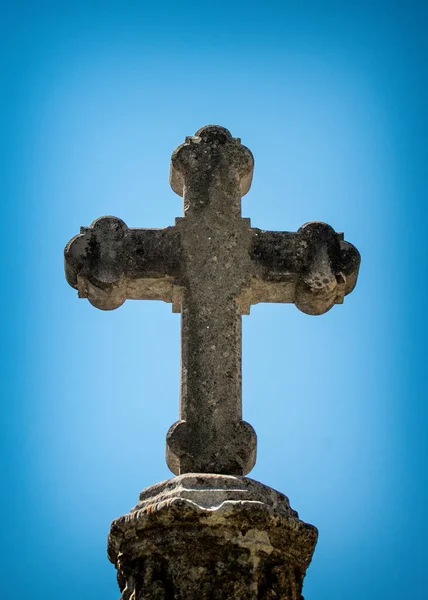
203, 536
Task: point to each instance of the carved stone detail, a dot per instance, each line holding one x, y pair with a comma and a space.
211, 537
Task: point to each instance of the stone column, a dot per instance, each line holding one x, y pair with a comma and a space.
211, 537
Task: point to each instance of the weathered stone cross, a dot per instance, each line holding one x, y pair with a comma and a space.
212, 265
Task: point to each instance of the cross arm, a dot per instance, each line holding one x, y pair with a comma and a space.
313, 268
109, 262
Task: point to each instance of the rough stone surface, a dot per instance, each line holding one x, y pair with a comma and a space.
211, 265
211, 537
202, 536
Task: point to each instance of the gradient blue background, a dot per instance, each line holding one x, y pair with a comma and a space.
331, 97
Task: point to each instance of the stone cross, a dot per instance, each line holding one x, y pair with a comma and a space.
211, 265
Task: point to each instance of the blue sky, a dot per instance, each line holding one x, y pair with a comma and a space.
331, 99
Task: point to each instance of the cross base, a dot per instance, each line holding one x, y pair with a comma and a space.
198, 449
211, 537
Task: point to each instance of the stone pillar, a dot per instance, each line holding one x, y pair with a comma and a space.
211, 537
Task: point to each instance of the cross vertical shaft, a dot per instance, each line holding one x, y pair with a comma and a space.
211, 436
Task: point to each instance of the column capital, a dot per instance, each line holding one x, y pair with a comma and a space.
211, 537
